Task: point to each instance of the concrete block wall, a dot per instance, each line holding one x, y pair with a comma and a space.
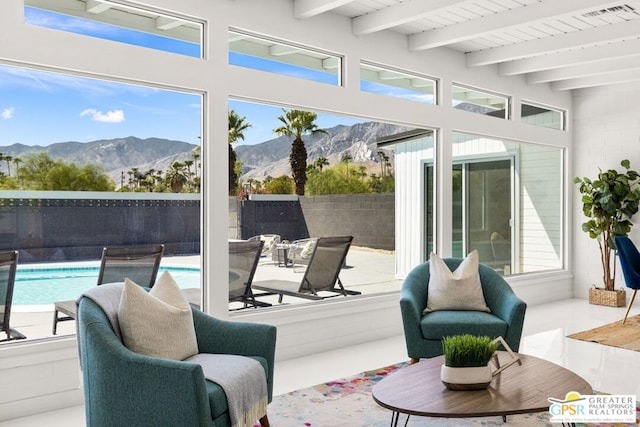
67, 227
369, 218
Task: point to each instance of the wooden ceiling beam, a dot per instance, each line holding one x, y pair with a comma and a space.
399, 14
500, 21
543, 46
303, 9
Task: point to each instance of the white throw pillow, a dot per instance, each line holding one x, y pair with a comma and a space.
308, 248
157, 323
457, 290
269, 242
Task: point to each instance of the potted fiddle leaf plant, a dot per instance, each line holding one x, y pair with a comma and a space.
609, 202
466, 361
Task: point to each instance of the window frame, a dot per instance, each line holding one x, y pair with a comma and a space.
133, 13
402, 74
562, 112
296, 49
508, 100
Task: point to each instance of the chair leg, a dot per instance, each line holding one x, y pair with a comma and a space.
413, 360
55, 321
264, 421
633, 296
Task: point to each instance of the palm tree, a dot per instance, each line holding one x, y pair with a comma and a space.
362, 170
195, 153
8, 159
149, 179
137, 177
321, 162
237, 126
176, 177
188, 164
17, 161
384, 161
296, 123
346, 158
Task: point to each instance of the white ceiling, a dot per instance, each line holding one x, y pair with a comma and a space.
569, 44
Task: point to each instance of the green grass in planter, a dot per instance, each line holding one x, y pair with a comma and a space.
463, 351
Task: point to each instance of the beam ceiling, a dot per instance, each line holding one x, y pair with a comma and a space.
568, 44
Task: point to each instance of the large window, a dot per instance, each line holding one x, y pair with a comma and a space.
117, 22
480, 101
539, 115
284, 58
507, 203
88, 163
400, 84
348, 192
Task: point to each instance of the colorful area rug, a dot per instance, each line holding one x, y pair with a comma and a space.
614, 334
348, 403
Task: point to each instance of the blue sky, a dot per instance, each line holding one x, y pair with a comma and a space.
41, 108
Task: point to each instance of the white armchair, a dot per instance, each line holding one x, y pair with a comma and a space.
300, 251
270, 242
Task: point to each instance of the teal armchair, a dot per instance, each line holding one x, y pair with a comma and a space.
423, 333
123, 388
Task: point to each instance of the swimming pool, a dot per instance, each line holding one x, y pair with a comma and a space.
46, 285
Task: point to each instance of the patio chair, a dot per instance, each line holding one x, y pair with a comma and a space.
321, 276
138, 263
243, 261
8, 265
300, 251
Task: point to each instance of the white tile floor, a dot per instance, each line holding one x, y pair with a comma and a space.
607, 369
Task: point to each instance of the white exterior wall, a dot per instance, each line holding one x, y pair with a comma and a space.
49, 370
410, 159
538, 195
607, 129
540, 210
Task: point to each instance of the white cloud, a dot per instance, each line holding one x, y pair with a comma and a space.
7, 113
115, 116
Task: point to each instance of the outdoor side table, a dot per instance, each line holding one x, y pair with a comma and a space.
283, 255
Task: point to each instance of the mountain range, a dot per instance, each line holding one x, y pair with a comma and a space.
271, 158
260, 160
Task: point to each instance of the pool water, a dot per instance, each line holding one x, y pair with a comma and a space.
46, 285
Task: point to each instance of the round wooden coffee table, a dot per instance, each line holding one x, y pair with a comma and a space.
417, 390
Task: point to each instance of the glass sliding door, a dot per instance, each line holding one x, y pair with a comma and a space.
508, 203
483, 211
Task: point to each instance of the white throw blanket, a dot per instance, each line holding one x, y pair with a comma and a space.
243, 381
107, 297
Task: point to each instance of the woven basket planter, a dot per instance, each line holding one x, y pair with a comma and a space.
615, 298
